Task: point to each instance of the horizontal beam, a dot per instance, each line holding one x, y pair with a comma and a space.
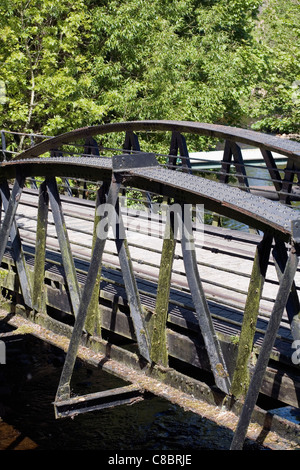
98, 401
264, 141
255, 211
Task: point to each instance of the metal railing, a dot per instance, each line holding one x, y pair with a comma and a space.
112, 170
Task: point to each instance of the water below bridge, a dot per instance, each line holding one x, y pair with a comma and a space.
28, 383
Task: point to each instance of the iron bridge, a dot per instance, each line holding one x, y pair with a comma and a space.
42, 176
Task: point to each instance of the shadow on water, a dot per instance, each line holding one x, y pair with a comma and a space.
28, 383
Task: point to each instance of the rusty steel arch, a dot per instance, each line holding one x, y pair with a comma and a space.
133, 168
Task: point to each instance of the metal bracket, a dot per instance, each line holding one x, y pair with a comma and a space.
98, 401
129, 162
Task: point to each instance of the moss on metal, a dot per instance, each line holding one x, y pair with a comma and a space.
241, 376
159, 352
93, 321
38, 297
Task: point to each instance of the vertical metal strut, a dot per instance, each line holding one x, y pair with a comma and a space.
232, 149
241, 376
264, 355
40, 248
132, 292
9, 228
159, 352
110, 211
212, 344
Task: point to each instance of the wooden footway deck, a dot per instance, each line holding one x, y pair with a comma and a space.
191, 304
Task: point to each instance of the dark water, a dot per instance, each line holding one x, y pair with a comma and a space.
28, 383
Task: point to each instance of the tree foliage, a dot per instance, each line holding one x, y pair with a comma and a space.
70, 64
276, 97
45, 65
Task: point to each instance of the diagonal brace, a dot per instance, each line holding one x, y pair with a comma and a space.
212, 344
63, 391
10, 204
64, 243
292, 306
283, 293
10, 228
103, 226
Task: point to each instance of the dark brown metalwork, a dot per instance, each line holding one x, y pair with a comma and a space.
98, 401
261, 365
133, 168
259, 140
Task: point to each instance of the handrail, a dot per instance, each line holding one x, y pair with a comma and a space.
253, 210
289, 148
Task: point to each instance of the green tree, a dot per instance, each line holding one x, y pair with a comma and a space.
174, 59
66, 65
45, 65
275, 103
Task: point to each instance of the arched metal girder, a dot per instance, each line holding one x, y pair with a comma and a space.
245, 136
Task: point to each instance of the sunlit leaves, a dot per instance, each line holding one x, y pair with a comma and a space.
69, 64
274, 106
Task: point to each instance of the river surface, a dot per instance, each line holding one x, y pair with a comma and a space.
28, 384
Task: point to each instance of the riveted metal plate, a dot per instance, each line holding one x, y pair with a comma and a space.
268, 212
128, 162
261, 212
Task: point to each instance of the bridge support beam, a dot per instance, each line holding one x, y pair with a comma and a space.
93, 322
293, 305
212, 344
241, 376
281, 300
10, 229
159, 352
110, 212
63, 391
40, 249
64, 243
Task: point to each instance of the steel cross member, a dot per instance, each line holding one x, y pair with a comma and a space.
211, 341
120, 163
9, 228
285, 286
